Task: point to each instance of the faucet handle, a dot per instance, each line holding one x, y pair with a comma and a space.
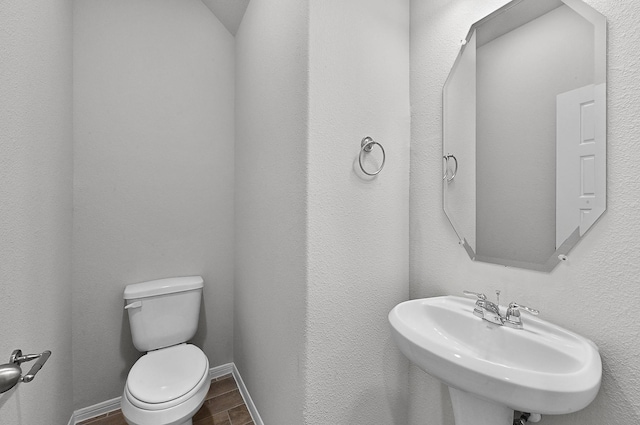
513, 319
481, 299
514, 307
478, 295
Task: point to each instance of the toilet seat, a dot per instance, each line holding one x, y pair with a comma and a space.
180, 414
167, 377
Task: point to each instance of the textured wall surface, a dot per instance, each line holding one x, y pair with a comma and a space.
271, 179
153, 186
36, 204
321, 251
358, 226
594, 293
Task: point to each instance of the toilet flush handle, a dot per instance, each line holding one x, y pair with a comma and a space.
136, 304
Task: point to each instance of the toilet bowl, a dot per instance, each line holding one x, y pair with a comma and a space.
166, 386
169, 383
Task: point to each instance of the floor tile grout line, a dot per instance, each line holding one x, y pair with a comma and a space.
227, 410
243, 423
233, 389
221, 394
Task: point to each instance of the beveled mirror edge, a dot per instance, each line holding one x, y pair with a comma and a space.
600, 77
547, 267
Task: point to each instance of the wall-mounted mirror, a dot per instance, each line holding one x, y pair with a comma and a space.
524, 132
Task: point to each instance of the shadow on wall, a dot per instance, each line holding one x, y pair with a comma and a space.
447, 408
612, 397
201, 334
394, 392
429, 399
128, 352
4, 397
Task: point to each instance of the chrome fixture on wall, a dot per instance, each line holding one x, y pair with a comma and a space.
11, 374
365, 147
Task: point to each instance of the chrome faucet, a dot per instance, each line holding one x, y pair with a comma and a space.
490, 311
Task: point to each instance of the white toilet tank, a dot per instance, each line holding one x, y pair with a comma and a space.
163, 312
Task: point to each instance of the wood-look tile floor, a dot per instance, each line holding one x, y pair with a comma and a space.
223, 406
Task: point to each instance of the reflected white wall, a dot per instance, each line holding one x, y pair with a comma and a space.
519, 76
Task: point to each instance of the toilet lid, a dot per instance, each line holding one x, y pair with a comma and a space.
166, 374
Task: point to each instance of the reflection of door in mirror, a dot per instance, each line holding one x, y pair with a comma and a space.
519, 76
580, 144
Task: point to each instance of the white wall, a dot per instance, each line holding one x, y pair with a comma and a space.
154, 131
271, 206
358, 231
321, 253
595, 293
36, 204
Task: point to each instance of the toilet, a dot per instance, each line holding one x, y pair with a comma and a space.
168, 384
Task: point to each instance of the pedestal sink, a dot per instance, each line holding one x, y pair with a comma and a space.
492, 370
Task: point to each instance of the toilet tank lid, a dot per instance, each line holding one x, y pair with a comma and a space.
162, 287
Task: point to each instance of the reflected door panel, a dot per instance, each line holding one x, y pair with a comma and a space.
581, 173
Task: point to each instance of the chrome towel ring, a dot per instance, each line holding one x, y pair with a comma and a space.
365, 146
446, 159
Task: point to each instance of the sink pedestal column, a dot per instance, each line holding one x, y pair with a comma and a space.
468, 409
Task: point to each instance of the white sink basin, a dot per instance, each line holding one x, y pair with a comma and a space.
542, 368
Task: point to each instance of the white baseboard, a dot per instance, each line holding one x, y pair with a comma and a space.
95, 410
215, 372
218, 371
257, 420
